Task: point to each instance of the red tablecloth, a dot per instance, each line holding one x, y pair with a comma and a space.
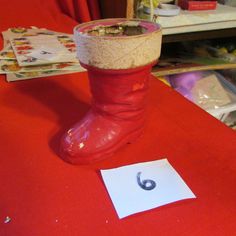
45, 196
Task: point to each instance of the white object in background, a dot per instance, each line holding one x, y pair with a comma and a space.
131, 188
164, 10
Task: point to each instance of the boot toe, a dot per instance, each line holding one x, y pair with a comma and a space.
89, 141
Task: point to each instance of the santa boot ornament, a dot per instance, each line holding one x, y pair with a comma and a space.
118, 54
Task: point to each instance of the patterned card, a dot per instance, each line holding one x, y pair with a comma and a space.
48, 45
11, 77
7, 52
11, 66
44, 49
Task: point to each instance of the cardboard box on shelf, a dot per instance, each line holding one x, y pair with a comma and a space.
197, 5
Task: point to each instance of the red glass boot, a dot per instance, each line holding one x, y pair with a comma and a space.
119, 90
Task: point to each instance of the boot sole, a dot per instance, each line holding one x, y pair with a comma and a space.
102, 155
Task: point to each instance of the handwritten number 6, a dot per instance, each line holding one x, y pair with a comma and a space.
146, 184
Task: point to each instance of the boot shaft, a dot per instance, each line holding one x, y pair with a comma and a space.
121, 94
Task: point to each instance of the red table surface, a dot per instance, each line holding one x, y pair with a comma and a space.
45, 196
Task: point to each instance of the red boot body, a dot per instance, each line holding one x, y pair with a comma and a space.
117, 115
119, 84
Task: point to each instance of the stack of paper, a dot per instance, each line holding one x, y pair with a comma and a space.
33, 53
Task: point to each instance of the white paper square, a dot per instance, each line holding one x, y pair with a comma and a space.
129, 198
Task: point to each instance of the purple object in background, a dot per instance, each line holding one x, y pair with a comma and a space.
183, 83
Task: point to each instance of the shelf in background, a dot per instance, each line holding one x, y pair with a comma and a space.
210, 34
194, 25
188, 25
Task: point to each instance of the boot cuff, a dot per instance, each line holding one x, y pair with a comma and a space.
118, 52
